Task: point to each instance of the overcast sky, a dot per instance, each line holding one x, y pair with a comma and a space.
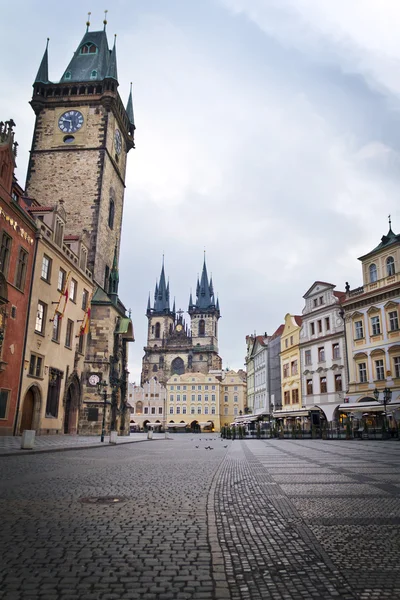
268, 133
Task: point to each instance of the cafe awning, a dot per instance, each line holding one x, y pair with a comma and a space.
368, 407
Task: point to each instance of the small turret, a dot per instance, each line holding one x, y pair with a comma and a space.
43, 72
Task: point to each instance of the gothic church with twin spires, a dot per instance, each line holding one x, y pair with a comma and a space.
174, 346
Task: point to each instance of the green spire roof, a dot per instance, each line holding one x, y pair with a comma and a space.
112, 64
129, 109
386, 240
93, 59
43, 73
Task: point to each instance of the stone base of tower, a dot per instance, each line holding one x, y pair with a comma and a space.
106, 361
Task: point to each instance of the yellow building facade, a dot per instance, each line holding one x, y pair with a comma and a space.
207, 400
290, 363
372, 317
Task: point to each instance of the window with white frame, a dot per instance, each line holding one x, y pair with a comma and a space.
212, 397
393, 320
225, 398
199, 410
373, 273
307, 357
390, 266
61, 280
396, 364
46, 268
171, 410
362, 372
376, 325
359, 330
199, 398
235, 411
335, 351
178, 410
40, 317
213, 410
379, 370
206, 410
192, 410
321, 354
226, 410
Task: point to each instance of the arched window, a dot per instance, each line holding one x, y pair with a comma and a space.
158, 327
373, 273
178, 366
111, 213
390, 265
202, 327
155, 368
93, 74
89, 48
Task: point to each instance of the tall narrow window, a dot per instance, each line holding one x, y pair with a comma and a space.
5, 253
373, 273
40, 317
61, 280
312, 328
295, 396
202, 327
393, 320
85, 299
390, 266
59, 233
323, 385
69, 333
335, 351
111, 213
56, 328
396, 363
157, 332
53, 393
307, 357
376, 325
327, 323
4, 395
380, 370
20, 274
73, 288
309, 386
338, 383
321, 354
359, 330
362, 372
46, 268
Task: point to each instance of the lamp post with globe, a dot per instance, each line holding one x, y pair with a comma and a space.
387, 396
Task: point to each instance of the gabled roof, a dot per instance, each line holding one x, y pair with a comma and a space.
298, 319
340, 295
324, 283
278, 332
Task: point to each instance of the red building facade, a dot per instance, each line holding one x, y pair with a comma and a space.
17, 250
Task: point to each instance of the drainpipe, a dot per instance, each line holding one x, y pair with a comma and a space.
37, 237
342, 315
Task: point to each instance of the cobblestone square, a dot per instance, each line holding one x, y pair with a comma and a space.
165, 520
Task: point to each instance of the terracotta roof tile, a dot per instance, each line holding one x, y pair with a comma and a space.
298, 319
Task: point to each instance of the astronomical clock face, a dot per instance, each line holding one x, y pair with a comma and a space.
70, 121
94, 379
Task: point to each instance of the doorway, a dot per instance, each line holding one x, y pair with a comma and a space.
71, 411
27, 411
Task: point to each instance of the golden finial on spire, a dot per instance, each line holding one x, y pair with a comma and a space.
105, 19
390, 222
88, 21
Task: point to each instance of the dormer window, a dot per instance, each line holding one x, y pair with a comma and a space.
93, 74
67, 75
373, 273
390, 266
89, 48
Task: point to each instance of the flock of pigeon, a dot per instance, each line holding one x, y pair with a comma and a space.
208, 447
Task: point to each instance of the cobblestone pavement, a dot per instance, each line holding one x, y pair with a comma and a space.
12, 444
246, 520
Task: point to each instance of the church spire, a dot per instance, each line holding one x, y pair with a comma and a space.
129, 112
43, 72
112, 64
205, 299
161, 295
114, 278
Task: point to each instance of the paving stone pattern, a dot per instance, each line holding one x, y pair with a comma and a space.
258, 519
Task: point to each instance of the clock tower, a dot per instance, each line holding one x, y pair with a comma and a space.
83, 133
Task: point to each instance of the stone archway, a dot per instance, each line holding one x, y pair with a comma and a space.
72, 407
30, 410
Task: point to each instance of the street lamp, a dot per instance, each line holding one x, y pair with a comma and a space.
387, 396
102, 388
